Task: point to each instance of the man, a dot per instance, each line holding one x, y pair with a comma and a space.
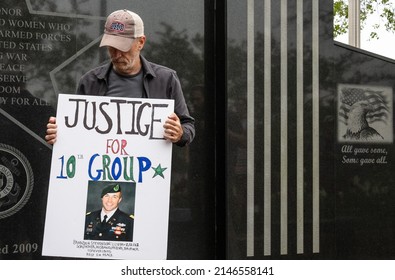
130, 75
109, 223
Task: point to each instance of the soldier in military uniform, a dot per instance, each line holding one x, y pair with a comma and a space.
109, 223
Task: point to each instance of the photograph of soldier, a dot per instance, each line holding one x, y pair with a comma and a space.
109, 223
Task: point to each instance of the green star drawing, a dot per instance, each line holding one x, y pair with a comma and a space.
159, 171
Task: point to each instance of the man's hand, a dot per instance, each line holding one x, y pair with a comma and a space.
173, 129
52, 129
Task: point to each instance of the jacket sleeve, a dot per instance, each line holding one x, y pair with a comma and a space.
94, 82
82, 87
181, 110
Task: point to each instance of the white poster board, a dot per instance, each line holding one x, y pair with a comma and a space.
104, 141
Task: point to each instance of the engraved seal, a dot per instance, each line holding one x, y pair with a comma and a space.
16, 180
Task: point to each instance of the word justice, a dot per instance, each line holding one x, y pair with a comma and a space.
128, 117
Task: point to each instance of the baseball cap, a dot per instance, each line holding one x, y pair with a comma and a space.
112, 188
121, 28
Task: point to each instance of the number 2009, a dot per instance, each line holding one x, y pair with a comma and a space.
24, 248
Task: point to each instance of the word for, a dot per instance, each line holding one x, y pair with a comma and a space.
116, 146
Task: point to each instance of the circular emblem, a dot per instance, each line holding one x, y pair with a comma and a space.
16, 180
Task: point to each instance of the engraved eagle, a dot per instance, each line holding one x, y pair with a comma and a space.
358, 127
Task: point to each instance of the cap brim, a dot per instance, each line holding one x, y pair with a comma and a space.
118, 42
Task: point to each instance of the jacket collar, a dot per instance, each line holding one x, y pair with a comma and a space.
147, 67
102, 71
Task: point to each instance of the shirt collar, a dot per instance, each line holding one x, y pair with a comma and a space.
109, 215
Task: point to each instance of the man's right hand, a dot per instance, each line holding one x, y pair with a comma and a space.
52, 129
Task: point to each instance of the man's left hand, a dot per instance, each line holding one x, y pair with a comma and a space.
173, 128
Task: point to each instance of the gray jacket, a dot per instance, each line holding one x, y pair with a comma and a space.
159, 82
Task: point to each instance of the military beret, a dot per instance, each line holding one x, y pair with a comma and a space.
112, 188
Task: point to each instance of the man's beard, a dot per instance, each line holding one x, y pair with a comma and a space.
122, 65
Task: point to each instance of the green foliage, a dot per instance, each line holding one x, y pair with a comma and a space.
384, 8
340, 11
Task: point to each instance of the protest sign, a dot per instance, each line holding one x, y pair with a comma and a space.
108, 146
